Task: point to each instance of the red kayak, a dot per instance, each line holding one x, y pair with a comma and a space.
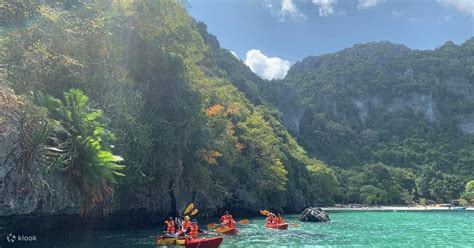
227, 230
213, 242
282, 226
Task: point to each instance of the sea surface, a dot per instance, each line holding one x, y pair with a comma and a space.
346, 229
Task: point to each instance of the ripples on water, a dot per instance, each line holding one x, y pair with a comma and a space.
355, 229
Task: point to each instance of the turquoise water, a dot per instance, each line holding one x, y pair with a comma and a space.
355, 229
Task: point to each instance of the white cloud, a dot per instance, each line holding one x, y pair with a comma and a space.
235, 54
396, 13
364, 4
466, 6
288, 8
265, 67
326, 7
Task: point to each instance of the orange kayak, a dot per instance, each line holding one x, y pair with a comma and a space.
282, 226
227, 230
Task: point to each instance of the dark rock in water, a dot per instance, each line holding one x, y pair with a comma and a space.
314, 215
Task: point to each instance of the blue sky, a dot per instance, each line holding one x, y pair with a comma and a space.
275, 33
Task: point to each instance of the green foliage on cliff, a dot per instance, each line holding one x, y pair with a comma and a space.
86, 137
186, 133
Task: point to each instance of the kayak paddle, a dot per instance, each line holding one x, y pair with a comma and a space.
212, 225
264, 212
244, 222
189, 208
194, 212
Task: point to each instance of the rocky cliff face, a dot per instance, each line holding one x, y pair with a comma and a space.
418, 103
462, 87
25, 190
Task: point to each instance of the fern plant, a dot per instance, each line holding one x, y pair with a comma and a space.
93, 164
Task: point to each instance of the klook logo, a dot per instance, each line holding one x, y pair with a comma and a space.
11, 238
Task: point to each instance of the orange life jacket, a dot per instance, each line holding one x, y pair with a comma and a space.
194, 230
228, 221
279, 220
187, 224
170, 226
223, 218
271, 220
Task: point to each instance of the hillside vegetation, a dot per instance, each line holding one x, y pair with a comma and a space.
130, 110
399, 123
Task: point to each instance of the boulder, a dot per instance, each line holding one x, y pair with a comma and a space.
314, 215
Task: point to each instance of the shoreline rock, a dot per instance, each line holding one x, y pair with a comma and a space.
314, 215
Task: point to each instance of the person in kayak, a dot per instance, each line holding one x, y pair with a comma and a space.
271, 218
194, 230
227, 220
186, 224
279, 219
170, 226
